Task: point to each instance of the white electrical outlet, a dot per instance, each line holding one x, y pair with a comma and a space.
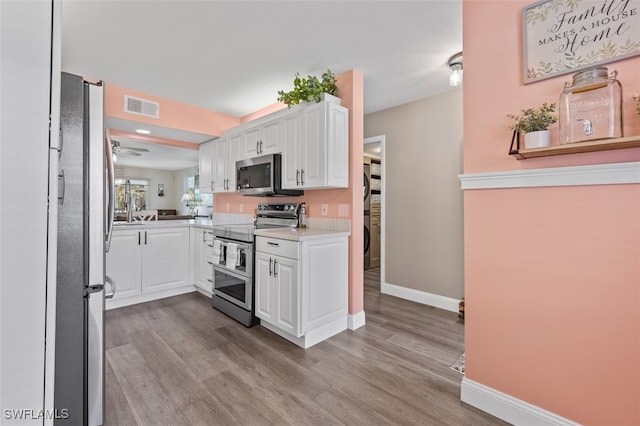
325, 209
343, 210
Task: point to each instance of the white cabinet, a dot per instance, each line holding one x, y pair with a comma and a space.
225, 155
302, 287
277, 293
206, 167
147, 264
320, 158
201, 262
165, 258
124, 263
262, 139
218, 164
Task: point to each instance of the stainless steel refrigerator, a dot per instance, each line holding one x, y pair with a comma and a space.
84, 222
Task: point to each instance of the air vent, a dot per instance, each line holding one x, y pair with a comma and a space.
140, 106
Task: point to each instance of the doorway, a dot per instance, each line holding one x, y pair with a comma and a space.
374, 201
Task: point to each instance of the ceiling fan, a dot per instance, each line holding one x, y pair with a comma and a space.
123, 150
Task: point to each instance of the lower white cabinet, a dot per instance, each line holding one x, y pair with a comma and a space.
148, 264
302, 287
277, 292
201, 262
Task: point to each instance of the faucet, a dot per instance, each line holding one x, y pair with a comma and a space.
587, 126
127, 201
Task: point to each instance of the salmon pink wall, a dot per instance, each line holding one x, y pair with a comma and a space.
493, 88
173, 114
351, 92
551, 274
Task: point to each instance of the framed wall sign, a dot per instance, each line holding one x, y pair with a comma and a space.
564, 36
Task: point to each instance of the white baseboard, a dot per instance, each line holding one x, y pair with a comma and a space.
119, 303
435, 300
356, 320
506, 407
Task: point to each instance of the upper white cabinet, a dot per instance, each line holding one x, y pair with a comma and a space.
206, 167
313, 140
218, 163
320, 157
225, 154
263, 139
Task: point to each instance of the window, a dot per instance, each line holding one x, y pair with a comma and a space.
139, 189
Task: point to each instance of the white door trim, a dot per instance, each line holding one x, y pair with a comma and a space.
382, 140
594, 174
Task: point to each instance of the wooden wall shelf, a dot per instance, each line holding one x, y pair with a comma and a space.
577, 147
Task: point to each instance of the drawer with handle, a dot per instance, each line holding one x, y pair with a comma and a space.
278, 247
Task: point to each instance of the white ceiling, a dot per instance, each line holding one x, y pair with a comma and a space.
233, 56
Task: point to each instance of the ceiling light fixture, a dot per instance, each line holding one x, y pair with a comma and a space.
143, 131
455, 65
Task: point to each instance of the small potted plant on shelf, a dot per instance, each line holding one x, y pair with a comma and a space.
534, 124
636, 97
309, 89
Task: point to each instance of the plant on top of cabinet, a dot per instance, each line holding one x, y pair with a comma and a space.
309, 89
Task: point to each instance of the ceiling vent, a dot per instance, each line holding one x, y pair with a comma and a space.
140, 106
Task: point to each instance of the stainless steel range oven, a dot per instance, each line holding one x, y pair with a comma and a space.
233, 261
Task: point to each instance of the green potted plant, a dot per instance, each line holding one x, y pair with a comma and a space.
534, 124
309, 89
636, 97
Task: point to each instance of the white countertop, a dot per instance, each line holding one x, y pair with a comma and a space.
299, 234
204, 223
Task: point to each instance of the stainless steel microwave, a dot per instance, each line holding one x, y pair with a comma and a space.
262, 177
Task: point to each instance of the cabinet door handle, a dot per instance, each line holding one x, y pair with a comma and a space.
270, 266
271, 243
138, 237
261, 147
297, 177
210, 280
302, 178
212, 183
210, 263
257, 147
275, 266
145, 238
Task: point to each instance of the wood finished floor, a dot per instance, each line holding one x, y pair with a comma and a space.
177, 361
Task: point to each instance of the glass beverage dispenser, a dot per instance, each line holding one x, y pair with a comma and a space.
591, 107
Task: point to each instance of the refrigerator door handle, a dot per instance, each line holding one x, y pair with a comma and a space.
112, 284
111, 188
